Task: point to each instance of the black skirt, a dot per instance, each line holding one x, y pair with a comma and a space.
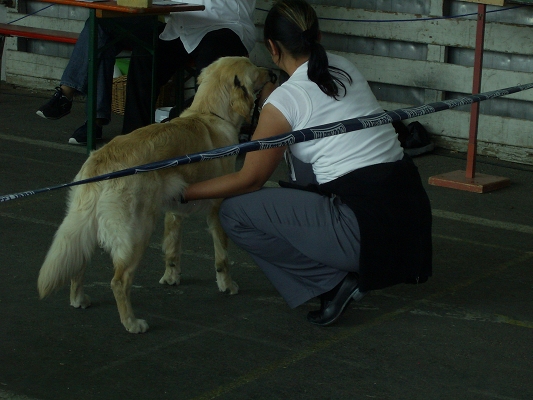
394, 216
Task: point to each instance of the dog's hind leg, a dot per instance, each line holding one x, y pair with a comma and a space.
78, 298
220, 241
127, 247
121, 284
172, 249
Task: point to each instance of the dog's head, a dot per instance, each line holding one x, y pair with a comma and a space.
228, 88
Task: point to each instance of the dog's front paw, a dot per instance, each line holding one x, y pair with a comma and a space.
231, 287
83, 301
234, 288
134, 325
171, 277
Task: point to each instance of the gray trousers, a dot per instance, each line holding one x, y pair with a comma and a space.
304, 242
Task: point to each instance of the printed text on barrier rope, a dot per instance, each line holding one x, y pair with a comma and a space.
289, 138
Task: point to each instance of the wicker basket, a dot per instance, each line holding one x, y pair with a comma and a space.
167, 95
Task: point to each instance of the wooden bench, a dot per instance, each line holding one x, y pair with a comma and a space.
10, 30
51, 35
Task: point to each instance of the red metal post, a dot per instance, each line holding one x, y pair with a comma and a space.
466, 180
476, 88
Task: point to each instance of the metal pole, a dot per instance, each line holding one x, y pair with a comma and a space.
153, 52
91, 90
476, 87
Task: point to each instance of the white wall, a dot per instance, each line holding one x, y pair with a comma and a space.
3, 63
40, 71
506, 137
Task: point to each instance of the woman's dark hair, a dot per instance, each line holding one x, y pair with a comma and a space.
294, 24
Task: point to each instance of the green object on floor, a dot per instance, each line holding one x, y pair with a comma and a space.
123, 65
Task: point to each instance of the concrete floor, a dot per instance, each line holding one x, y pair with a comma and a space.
465, 334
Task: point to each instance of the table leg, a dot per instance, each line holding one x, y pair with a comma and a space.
2, 41
92, 77
155, 36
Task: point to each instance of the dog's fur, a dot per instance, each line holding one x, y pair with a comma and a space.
120, 214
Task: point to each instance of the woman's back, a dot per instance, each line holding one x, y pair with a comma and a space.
304, 105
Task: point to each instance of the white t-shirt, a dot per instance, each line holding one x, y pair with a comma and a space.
192, 26
304, 105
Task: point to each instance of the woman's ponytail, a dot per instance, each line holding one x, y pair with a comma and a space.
294, 24
320, 72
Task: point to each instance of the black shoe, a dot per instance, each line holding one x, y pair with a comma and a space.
418, 141
80, 135
333, 304
174, 113
57, 107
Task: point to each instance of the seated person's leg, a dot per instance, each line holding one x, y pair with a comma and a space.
137, 26
75, 80
169, 56
216, 44
104, 80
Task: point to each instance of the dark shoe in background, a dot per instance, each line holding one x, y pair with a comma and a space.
418, 142
79, 137
414, 138
57, 107
175, 111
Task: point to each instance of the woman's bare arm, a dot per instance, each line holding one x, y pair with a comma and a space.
258, 165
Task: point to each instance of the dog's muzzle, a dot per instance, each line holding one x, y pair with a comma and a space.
273, 79
273, 76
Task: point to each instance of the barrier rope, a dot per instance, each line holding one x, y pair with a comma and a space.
409, 19
341, 19
30, 14
318, 132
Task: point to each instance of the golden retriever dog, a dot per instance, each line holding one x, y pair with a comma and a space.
120, 214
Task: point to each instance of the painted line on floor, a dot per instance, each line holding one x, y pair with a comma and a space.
415, 308
466, 315
478, 243
12, 396
199, 330
441, 214
436, 213
306, 353
485, 394
28, 219
325, 344
482, 221
301, 355
43, 143
493, 271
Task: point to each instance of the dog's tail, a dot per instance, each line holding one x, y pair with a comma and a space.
73, 243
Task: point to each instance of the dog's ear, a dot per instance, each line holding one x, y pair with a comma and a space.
199, 79
237, 82
241, 99
205, 73
201, 76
